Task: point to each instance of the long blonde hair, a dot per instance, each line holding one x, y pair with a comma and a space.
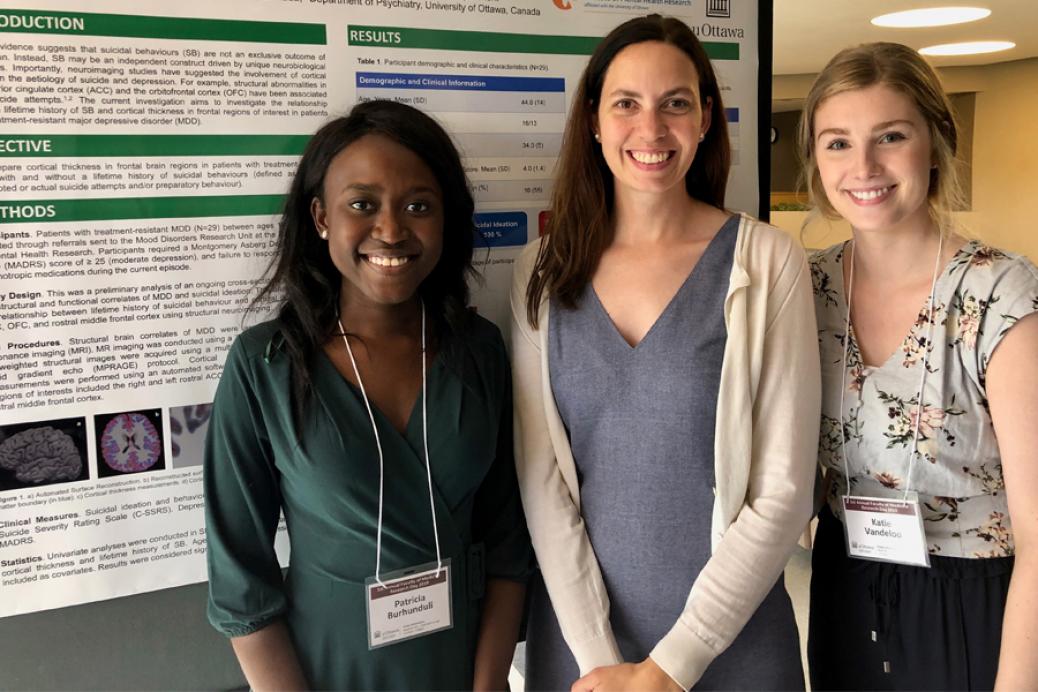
904, 70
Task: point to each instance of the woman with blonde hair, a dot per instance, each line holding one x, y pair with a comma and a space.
930, 388
666, 393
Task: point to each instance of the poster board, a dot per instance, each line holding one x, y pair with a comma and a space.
145, 149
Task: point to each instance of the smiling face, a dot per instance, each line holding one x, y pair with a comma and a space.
874, 157
382, 210
649, 118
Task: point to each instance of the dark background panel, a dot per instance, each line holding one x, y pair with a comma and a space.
154, 641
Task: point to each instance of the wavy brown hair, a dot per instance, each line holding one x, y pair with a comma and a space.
581, 223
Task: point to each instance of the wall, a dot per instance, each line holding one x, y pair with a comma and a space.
1005, 157
153, 641
784, 151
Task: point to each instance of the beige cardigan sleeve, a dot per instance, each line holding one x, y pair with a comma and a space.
784, 393
552, 504
768, 414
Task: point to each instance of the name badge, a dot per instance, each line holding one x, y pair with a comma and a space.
409, 603
885, 530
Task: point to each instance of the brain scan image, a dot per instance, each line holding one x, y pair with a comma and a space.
130, 442
33, 454
41, 455
188, 426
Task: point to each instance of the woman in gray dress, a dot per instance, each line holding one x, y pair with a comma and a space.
667, 389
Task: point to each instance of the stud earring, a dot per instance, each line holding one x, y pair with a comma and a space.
598, 137
702, 135
324, 235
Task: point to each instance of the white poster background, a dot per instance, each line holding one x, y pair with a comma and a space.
113, 328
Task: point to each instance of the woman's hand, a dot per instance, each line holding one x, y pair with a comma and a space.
626, 676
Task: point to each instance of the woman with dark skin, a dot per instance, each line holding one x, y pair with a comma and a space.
374, 413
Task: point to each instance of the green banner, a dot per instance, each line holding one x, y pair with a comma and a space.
56, 210
719, 50
143, 26
494, 42
18, 145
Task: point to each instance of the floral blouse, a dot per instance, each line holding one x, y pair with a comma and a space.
979, 296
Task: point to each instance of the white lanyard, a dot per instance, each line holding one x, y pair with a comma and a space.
913, 451
381, 463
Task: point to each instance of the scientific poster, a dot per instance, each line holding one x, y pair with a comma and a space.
145, 148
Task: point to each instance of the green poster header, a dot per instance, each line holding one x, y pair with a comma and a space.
55, 210
443, 39
143, 26
17, 145
494, 42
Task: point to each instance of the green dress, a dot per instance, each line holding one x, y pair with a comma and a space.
325, 480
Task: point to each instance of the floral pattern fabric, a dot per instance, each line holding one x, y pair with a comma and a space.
957, 472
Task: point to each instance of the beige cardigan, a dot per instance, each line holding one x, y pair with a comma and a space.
766, 440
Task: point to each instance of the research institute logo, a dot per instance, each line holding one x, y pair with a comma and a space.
719, 8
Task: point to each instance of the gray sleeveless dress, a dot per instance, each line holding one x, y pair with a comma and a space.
641, 426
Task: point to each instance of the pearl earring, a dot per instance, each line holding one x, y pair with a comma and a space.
598, 137
324, 235
701, 136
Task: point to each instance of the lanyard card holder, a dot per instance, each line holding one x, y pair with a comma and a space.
414, 601
886, 530
408, 603
883, 529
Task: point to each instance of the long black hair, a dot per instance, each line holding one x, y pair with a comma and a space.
302, 269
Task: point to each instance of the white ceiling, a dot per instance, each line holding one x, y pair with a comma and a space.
809, 32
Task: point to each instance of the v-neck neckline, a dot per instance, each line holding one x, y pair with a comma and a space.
381, 419
922, 316
668, 308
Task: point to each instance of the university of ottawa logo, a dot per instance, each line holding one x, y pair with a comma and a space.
563, 4
719, 8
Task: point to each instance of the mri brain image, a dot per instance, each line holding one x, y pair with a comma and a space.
41, 454
188, 426
130, 442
